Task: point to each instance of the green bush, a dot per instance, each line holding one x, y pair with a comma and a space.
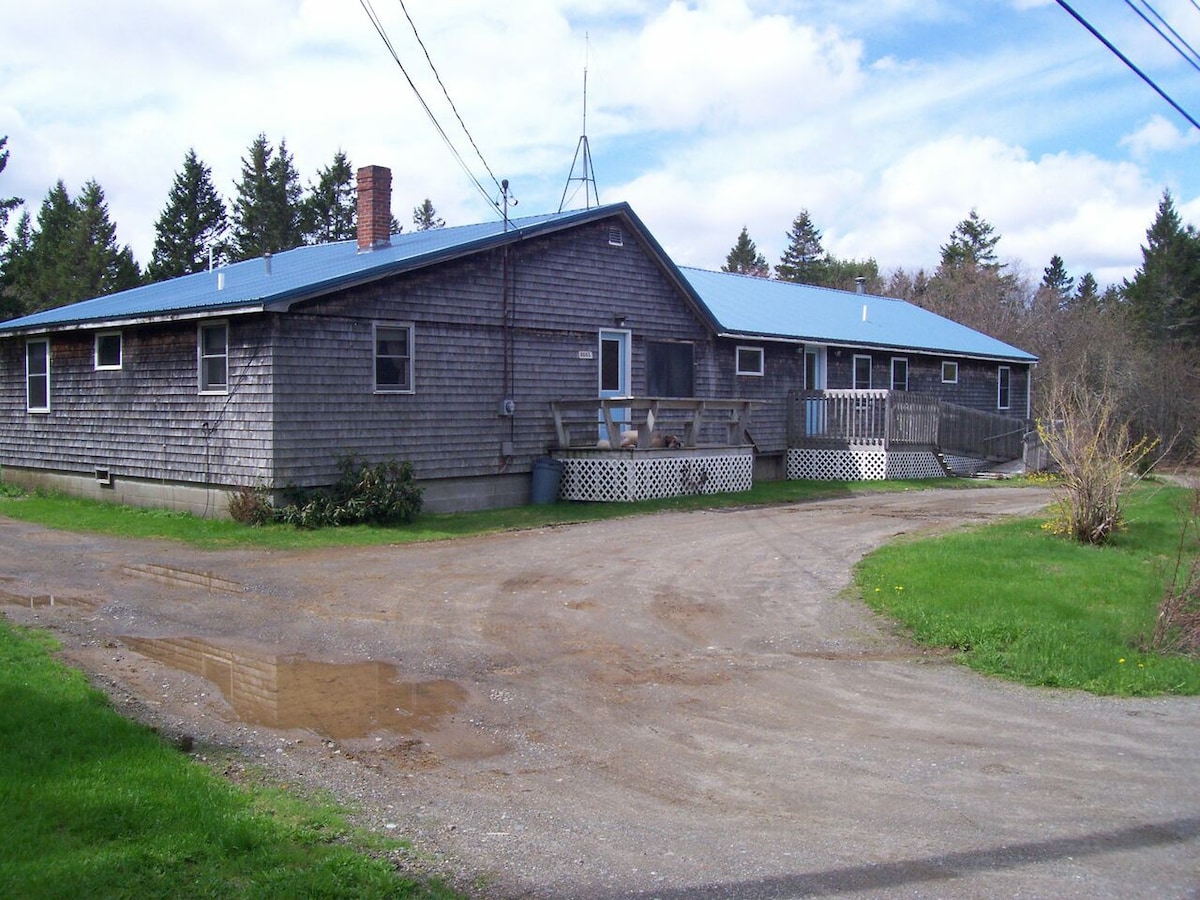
382, 494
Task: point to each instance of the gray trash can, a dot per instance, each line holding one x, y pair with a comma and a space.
547, 477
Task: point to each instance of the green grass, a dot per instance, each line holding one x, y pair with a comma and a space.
1022, 603
74, 514
97, 806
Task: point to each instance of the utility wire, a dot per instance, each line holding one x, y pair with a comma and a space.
1191, 60
1125, 59
446, 94
370, 11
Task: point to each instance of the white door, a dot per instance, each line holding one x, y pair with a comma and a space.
814, 380
614, 375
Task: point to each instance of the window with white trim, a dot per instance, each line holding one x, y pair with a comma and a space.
949, 371
750, 361
108, 350
862, 373
37, 376
212, 347
393, 359
1003, 386
899, 373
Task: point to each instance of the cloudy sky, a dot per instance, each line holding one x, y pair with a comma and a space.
888, 120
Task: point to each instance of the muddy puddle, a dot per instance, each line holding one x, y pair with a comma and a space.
47, 601
338, 701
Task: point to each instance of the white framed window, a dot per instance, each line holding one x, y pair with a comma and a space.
37, 375
949, 371
899, 373
108, 350
750, 361
862, 372
1003, 386
212, 347
393, 359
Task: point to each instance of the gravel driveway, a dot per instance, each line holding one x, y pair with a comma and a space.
674, 706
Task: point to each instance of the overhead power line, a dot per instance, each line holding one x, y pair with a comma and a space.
1183, 48
382, 32
1125, 59
446, 94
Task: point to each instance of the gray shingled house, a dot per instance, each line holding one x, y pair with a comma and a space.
471, 352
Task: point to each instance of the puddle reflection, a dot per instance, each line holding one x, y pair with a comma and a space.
47, 601
340, 701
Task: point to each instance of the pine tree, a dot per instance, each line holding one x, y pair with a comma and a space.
804, 260
329, 212
1164, 295
745, 259
7, 204
72, 255
425, 217
103, 266
972, 244
1087, 293
191, 225
266, 213
1056, 280
16, 263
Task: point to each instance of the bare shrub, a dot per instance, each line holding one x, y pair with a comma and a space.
251, 506
1091, 446
1177, 629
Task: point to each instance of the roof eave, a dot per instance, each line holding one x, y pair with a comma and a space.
873, 345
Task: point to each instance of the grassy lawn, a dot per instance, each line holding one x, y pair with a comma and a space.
1021, 603
68, 513
96, 806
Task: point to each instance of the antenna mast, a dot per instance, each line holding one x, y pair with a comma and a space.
582, 152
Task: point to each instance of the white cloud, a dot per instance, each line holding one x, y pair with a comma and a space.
888, 121
1159, 135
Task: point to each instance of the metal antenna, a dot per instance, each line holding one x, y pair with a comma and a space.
587, 175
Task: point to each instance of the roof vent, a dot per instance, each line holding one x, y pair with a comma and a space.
267, 262
615, 237
860, 284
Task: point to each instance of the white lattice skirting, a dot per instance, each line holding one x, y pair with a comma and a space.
626, 476
861, 465
964, 465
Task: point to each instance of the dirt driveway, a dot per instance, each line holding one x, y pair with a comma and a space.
675, 706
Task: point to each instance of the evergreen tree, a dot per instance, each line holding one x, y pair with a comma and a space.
745, 259
425, 217
7, 204
16, 263
72, 255
1056, 280
1087, 293
843, 274
192, 224
972, 244
329, 212
266, 213
804, 259
103, 266
1164, 295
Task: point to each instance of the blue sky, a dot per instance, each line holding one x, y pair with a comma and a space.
888, 120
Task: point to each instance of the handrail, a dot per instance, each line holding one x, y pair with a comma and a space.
648, 423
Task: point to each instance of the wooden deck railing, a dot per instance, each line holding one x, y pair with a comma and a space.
895, 419
645, 423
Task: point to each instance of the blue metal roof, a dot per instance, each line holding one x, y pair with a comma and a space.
733, 304
761, 307
296, 274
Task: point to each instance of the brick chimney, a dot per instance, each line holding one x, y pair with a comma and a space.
374, 208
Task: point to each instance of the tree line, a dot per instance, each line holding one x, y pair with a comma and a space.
1137, 342
70, 252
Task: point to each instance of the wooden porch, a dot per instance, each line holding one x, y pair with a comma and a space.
898, 420
651, 423
624, 449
